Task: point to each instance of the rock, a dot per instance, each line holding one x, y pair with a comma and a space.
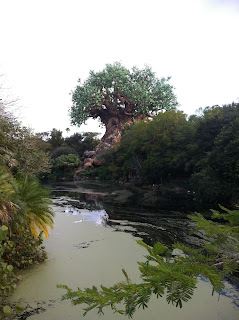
88, 154
97, 162
88, 160
120, 197
88, 163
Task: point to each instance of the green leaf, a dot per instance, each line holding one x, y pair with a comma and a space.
7, 310
10, 268
143, 244
2, 235
126, 275
4, 228
159, 248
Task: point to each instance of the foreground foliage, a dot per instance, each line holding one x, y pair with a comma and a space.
34, 202
8, 277
166, 274
25, 207
25, 216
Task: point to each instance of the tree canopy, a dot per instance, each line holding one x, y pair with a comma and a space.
119, 96
117, 89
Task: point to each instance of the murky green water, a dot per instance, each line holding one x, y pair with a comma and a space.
90, 245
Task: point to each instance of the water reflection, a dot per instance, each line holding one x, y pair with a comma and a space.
99, 217
152, 225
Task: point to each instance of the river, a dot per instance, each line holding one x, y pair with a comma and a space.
90, 244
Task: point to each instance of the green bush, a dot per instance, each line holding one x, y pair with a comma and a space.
17, 251
8, 277
64, 166
22, 250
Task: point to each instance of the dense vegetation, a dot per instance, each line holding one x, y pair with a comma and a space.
200, 151
66, 153
25, 207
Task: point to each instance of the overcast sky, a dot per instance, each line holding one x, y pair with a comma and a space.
46, 45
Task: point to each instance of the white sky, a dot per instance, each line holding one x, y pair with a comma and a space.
46, 45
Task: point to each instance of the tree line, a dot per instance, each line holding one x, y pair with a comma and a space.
199, 153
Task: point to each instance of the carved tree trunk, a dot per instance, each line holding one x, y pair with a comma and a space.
115, 114
114, 126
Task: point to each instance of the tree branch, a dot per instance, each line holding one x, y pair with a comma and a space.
120, 97
108, 103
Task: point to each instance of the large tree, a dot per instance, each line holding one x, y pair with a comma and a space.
119, 96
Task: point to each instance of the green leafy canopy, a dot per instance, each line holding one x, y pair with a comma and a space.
118, 88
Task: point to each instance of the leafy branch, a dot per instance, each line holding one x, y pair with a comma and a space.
164, 274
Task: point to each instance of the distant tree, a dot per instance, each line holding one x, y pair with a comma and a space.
89, 142
56, 139
64, 166
30, 153
74, 140
62, 151
118, 96
82, 142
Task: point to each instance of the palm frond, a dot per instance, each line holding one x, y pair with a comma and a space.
37, 204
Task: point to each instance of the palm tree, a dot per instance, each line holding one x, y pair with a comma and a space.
35, 204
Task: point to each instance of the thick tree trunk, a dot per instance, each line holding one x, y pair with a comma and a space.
114, 126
